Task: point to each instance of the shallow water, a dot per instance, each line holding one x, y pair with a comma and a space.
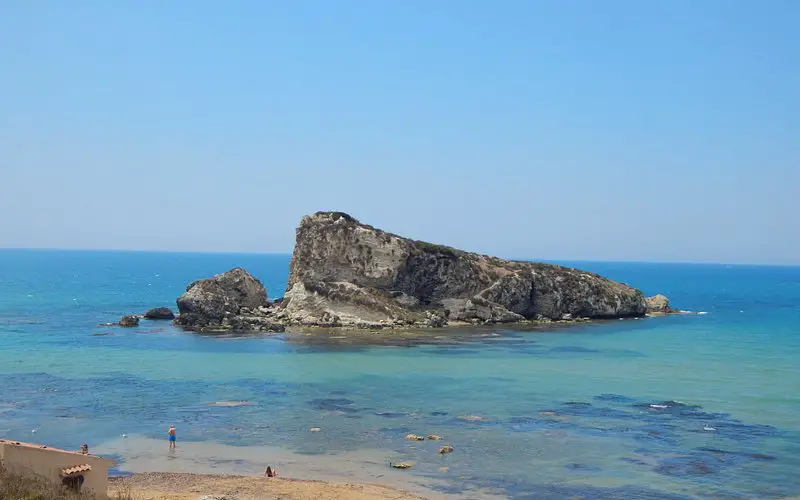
676, 407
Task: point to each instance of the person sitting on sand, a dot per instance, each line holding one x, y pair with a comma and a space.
270, 472
85, 449
172, 436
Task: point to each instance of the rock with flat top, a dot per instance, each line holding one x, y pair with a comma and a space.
159, 313
344, 269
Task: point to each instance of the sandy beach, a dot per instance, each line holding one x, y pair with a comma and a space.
180, 486
198, 469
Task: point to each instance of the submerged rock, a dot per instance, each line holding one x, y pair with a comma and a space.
233, 300
473, 418
365, 277
129, 321
414, 437
159, 313
446, 449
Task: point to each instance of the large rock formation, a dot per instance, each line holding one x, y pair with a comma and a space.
159, 313
229, 301
347, 273
659, 304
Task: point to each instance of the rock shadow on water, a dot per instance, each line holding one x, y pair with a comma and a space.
574, 349
699, 421
705, 461
660, 435
390, 414
740, 431
454, 351
399, 431
334, 404
614, 398
526, 490
673, 408
737, 455
582, 467
526, 424
688, 465
585, 409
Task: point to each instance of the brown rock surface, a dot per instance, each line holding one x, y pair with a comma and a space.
366, 277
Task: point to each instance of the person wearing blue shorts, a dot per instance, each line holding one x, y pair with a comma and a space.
172, 436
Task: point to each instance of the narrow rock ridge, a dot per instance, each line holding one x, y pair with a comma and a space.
347, 274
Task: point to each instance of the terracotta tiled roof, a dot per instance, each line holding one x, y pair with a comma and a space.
75, 470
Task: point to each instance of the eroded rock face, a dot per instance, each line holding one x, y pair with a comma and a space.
129, 321
233, 300
347, 273
657, 304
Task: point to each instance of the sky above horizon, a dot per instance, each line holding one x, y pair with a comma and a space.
617, 130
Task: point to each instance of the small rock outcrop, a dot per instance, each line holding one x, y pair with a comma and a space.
658, 304
129, 321
159, 313
347, 273
233, 300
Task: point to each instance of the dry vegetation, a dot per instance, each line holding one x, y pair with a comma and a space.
15, 487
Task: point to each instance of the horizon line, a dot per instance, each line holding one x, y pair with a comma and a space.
545, 260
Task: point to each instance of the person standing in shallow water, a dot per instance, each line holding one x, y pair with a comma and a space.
172, 436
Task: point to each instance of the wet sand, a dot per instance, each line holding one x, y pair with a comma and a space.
218, 469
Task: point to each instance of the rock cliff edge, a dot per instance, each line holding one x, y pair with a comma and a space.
344, 272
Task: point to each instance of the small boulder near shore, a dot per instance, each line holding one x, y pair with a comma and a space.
659, 304
233, 300
129, 321
159, 313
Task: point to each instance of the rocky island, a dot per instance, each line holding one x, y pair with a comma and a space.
347, 274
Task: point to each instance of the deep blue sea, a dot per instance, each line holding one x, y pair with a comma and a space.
690, 406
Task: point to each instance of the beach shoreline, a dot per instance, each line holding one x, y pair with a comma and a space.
150, 470
184, 486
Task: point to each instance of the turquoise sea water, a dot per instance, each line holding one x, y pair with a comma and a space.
620, 409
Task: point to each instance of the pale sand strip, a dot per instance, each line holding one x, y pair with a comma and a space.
167, 486
216, 465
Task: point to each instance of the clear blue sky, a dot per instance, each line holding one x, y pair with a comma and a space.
613, 130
